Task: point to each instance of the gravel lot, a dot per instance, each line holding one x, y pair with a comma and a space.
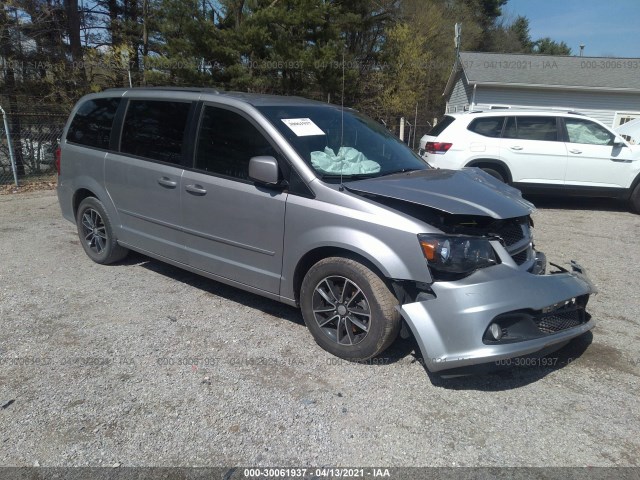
142, 364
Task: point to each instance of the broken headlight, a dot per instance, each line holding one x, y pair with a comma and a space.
451, 256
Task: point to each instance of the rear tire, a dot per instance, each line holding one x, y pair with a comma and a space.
96, 233
494, 173
349, 309
634, 201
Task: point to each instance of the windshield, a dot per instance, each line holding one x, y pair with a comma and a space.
360, 149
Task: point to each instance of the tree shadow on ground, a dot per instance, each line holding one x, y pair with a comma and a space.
237, 295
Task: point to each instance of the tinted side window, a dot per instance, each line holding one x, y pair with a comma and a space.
93, 121
585, 131
155, 129
489, 127
441, 126
531, 128
226, 143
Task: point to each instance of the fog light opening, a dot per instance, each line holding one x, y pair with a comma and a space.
495, 331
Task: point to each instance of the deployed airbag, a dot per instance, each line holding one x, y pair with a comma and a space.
348, 161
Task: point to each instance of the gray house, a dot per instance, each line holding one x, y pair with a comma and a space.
607, 89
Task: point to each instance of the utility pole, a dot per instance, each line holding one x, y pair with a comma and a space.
456, 39
12, 158
415, 126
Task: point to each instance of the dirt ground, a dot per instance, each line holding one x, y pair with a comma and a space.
142, 364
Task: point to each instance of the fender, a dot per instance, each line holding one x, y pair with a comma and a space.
380, 254
89, 183
634, 183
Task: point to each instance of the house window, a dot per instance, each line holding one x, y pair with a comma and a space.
625, 117
622, 118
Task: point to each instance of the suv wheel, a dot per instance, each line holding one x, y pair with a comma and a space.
634, 201
96, 234
349, 310
494, 173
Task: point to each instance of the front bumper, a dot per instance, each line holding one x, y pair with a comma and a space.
450, 326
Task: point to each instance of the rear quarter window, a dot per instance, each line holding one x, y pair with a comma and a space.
487, 127
441, 126
91, 126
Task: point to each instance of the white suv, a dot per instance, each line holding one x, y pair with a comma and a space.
539, 152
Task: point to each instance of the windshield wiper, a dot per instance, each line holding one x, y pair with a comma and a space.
403, 170
352, 176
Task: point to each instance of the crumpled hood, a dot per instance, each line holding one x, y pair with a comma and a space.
469, 191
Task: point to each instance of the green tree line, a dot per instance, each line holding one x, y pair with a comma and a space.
388, 58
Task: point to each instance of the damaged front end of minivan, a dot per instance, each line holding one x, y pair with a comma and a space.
491, 297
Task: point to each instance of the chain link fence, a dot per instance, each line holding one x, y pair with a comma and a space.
28, 141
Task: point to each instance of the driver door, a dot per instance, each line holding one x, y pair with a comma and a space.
234, 228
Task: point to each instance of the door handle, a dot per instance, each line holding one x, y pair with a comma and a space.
621, 160
167, 182
576, 151
195, 189
516, 147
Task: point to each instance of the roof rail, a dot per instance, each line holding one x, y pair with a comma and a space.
170, 89
503, 107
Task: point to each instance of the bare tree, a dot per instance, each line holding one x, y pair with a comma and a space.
6, 49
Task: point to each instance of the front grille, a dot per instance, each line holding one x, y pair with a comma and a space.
560, 320
514, 234
511, 233
520, 257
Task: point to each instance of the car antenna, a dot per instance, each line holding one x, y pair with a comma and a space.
342, 123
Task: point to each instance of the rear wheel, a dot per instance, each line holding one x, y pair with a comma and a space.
349, 310
96, 233
495, 173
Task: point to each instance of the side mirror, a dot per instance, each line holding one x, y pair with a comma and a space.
264, 170
618, 141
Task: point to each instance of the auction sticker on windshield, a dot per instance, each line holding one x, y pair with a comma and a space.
302, 127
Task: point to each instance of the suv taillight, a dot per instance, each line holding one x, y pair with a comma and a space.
58, 155
438, 148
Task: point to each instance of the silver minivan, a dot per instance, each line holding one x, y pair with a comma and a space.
322, 208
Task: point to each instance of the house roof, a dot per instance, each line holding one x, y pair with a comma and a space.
547, 71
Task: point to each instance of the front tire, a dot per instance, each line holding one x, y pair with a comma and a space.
348, 309
96, 233
634, 201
